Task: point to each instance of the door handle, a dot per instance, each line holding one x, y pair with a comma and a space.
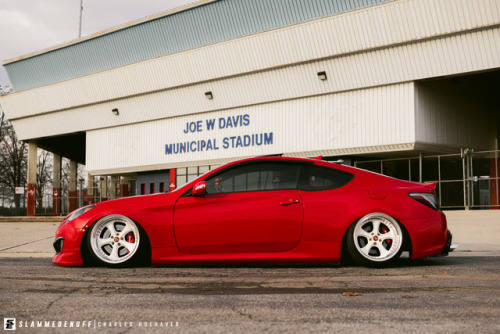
289, 202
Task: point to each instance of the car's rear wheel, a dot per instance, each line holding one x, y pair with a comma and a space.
375, 240
116, 241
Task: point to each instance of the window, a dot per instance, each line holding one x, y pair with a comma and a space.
255, 177
323, 178
151, 188
143, 188
133, 189
162, 187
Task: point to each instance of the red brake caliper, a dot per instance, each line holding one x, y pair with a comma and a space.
130, 239
384, 231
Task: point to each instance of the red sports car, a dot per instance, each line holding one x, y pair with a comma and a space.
267, 209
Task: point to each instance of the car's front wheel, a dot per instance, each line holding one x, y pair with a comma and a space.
375, 240
116, 241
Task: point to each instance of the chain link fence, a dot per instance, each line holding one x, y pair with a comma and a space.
468, 180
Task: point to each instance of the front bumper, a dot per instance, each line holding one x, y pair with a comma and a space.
67, 246
58, 245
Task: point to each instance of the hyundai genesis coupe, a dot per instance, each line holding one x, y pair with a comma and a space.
266, 209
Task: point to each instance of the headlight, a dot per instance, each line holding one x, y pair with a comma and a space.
427, 199
79, 212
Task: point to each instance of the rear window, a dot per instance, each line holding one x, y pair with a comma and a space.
322, 178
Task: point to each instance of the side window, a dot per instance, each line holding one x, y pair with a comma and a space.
323, 178
255, 177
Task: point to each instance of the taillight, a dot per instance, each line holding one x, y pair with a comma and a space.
427, 199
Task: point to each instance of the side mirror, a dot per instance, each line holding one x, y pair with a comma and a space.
199, 189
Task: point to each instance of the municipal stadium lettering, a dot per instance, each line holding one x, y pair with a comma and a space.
214, 144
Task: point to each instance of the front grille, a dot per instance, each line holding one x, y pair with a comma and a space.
58, 244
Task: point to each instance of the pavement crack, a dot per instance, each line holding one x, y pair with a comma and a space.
67, 294
27, 243
243, 314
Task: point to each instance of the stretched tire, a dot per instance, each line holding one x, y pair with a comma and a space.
375, 240
117, 241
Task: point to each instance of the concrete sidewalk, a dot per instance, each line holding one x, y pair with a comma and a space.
475, 231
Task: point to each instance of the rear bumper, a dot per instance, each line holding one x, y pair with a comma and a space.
429, 236
447, 247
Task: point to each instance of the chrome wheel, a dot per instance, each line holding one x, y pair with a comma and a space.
114, 239
377, 238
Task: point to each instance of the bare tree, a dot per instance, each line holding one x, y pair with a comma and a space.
13, 161
43, 176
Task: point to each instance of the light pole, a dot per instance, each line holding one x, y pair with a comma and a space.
81, 12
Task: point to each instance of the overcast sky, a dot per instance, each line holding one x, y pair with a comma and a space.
32, 25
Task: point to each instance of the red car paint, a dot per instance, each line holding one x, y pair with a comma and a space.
264, 226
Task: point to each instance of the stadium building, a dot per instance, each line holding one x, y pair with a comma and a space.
408, 88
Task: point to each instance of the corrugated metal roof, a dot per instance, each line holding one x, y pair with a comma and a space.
338, 44
431, 58
207, 23
110, 30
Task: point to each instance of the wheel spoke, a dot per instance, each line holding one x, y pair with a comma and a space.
103, 242
376, 225
114, 253
129, 246
362, 233
388, 236
111, 227
126, 231
383, 252
366, 249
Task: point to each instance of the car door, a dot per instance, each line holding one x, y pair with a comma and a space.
249, 208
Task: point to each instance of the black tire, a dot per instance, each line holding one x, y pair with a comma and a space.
117, 241
375, 240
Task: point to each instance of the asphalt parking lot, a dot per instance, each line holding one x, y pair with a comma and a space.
455, 294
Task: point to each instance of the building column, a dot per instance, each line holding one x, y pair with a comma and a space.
112, 187
172, 180
104, 187
56, 185
494, 189
72, 186
124, 187
32, 162
495, 168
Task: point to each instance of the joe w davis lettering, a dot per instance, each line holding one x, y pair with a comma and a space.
214, 144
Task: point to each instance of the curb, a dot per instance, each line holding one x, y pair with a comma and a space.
35, 219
